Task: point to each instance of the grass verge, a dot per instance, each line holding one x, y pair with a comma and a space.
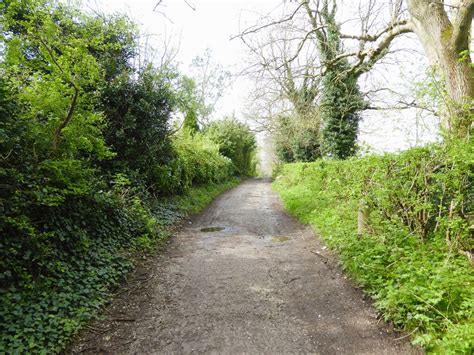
420, 283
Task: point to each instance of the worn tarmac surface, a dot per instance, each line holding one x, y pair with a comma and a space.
242, 277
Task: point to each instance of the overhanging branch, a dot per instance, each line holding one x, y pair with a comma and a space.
255, 29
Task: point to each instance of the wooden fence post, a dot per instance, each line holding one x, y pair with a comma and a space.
362, 218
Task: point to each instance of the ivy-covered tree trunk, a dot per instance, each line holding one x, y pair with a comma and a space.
341, 99
340, 106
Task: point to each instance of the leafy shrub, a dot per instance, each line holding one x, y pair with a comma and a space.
236, 141
412, 258
197, 162
57, 262
137, 113
58, 276
75, 206
297, 139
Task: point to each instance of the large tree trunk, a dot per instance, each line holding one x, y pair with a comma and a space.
445, 41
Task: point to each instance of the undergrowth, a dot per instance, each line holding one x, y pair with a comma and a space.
39, 314
412, 258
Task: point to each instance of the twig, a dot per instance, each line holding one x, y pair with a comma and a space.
254, 29
406, 336
190, 5
293, 279
124, 320
432, 307
127, 342
318, 253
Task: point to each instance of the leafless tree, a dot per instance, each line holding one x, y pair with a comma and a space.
284, 82
443, 28
286, 57
211, 80
157, 50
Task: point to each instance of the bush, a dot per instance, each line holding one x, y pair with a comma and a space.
56, 277
297, 139
137, 114
412, 258
58, 263
236, 142
75, 206
197, 161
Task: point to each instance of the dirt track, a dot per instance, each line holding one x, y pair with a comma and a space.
263, 284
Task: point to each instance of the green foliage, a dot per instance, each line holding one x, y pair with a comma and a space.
297, 139
199, 197
57, 262
85, 249
191, 122
456, 115
236, 141
341, 98
197, 162
412, 258
340, 103
137, 113
49, 55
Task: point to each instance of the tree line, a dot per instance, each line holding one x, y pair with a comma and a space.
401, 224
90, 157
305, 61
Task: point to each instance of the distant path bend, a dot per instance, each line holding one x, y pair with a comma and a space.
262, 284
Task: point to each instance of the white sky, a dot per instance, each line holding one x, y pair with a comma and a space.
210, 26
213, 23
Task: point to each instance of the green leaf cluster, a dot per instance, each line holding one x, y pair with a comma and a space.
197, 162
297, 138
236, 141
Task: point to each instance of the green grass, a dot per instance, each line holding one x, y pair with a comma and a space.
199, 197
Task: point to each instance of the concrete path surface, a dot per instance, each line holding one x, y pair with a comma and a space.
242, 277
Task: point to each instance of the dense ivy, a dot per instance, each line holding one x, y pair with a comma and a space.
341, 99
340, 105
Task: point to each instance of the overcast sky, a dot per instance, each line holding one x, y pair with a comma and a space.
212, 23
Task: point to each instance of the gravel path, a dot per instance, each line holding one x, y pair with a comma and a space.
242, 277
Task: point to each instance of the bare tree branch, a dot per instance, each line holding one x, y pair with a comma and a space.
190, 5
372, 38
255, 29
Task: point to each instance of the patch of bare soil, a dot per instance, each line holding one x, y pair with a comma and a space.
242, 277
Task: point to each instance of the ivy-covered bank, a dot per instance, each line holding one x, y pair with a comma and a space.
40, 317
415, 258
